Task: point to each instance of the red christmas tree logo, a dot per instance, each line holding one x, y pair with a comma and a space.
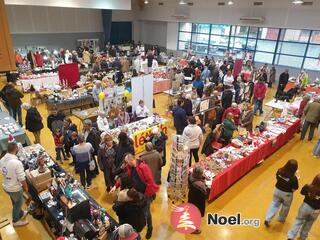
186, 218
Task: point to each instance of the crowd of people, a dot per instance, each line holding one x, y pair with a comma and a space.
139, 178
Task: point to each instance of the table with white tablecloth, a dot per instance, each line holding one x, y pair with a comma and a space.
39, 82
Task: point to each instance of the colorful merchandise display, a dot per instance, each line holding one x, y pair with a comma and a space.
68, 209
229, 164
140, 130
178, 177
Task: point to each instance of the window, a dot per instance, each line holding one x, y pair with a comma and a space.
219, 40
200, 38
263, 57
220, 30
201, 28
268, 33
289, 61
312, 64
296, 48
251, 44
184, 36
217, 50
313, 51
240, 31
185, 27
292, 48
295, 35
266, 46
315, 37
253, 32
183, 46
238, 43
200, 48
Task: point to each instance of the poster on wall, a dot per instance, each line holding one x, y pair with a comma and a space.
7, 62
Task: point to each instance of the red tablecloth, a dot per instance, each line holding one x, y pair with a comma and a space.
161, 85
308, 89
241, 167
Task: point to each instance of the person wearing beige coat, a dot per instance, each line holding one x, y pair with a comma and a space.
154, 160
312, 118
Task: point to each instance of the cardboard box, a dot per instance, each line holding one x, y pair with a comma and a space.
40, 177
43, 185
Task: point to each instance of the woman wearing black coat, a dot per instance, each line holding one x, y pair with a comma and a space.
125, 146
129, 208
197, 192
33, 121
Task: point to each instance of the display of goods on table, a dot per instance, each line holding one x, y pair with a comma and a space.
178, 177
66, 100
39, 81
140, 130
69, 209
9, 128
227, 165
161, 80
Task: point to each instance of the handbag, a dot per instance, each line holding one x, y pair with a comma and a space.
92, 164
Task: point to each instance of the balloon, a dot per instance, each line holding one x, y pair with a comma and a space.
101, 95
126, 93
106, 93
129, 89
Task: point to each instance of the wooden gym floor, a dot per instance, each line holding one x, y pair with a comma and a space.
250, 196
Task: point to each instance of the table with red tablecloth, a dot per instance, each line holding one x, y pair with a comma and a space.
161, 85
239, 168
308, 89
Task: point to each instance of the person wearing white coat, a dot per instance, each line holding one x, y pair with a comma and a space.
193, 135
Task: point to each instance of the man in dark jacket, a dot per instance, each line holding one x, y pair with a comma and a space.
92, 136
143, 182
55, 119
283, 80
158, 139
33, 121
13, 97
226, 98
187, 104
179, 117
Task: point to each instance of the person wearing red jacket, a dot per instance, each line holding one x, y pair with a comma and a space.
259, 93
143, 181
235, 112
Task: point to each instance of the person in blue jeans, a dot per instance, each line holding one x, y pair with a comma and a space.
287, 183
14, 182
308, 211
316, 149
312, 117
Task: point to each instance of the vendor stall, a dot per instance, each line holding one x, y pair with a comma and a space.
139, 130
67, 208
229, 164
67, 104
161, 80
39, 81
9, 126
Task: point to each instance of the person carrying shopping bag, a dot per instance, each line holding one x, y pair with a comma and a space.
287, 183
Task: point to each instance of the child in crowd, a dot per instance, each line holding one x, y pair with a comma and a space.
58, 141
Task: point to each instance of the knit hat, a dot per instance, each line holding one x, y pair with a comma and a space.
126, 232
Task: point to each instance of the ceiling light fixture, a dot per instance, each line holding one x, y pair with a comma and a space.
146, 1
230, 2
297, 2
182, 2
